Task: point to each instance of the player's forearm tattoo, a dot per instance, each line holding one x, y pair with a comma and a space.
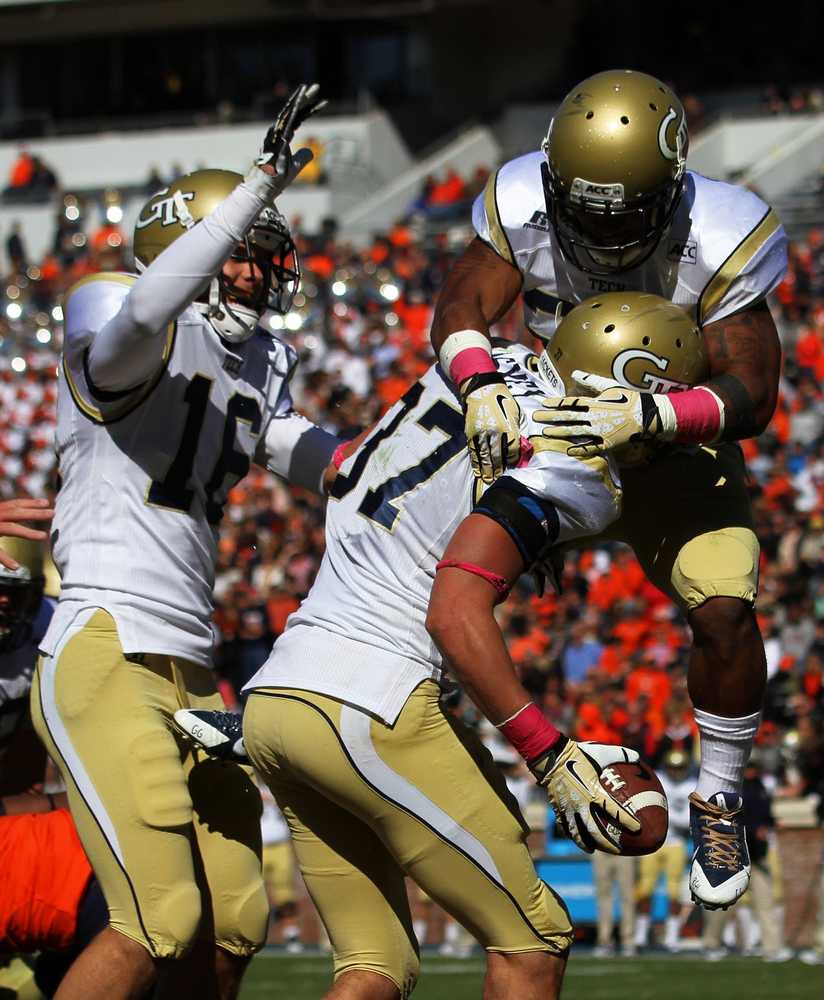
745, 362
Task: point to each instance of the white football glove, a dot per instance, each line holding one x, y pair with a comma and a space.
492, 424
569, 774
617, 416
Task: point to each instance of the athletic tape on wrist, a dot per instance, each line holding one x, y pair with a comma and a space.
338, 455
699, 416
530, 732
466, 353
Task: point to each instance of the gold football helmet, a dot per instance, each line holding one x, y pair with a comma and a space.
188, 200
639, 340
21, 590
616, 154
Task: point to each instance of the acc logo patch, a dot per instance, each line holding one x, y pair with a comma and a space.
684, 251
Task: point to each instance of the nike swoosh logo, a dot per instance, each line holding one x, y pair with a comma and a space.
500, 400
570, 766
623, 399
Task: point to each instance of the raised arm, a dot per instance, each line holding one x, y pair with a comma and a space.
479, 290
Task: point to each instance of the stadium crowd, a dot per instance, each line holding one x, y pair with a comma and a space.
606, 657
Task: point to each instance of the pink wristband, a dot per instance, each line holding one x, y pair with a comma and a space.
471, 361
697, 416
530, 732
338, 457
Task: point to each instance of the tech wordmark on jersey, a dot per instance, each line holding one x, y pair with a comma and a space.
724, 250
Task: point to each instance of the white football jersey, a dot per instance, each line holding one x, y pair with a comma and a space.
678, 803
145, 473
360, 635
725, 249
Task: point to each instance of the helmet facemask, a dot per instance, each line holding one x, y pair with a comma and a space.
269, 246
601, 232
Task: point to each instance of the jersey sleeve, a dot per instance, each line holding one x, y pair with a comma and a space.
292, 446
748, 263
510, 213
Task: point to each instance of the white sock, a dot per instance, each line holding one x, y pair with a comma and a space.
671, 929
725, 750
420, 927
641, 929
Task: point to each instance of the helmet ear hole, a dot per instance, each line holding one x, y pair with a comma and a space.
609, 328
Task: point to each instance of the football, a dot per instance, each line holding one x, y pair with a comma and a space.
637, 787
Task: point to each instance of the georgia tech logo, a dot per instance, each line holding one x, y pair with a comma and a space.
667, 151
650, 381
166, 211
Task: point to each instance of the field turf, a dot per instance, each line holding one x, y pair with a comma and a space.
305, 978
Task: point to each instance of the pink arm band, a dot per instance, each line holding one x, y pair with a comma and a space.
471, 361
498, 582
530, 732
698, 416
338, 456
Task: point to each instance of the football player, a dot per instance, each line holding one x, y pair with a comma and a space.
50, 901
670, 859
168, 389
344, 720
25, 613
607, 204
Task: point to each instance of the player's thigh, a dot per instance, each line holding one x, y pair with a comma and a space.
430, 791
356, 885
103, 720
689, 520
650, 867
226, 815
676, 860
279, 872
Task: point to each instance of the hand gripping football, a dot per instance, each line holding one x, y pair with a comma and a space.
637, 787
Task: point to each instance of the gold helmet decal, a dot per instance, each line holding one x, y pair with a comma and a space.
269, 245
639, 340
170, 212
615, 161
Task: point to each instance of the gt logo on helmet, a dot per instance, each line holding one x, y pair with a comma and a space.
164, 211
650, 381
680, 137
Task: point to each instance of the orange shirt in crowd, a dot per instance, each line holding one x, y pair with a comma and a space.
649, 681
22, 171
44, 874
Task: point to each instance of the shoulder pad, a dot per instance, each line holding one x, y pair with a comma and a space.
91, 302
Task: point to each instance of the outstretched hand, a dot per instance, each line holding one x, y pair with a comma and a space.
12, 513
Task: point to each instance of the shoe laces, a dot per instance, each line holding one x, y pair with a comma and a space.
723, 846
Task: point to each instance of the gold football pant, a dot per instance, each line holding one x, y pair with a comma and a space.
369, 803
687, 516
173, 837
279, 873
669, 860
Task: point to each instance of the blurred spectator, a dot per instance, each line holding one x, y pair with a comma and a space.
16, 250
